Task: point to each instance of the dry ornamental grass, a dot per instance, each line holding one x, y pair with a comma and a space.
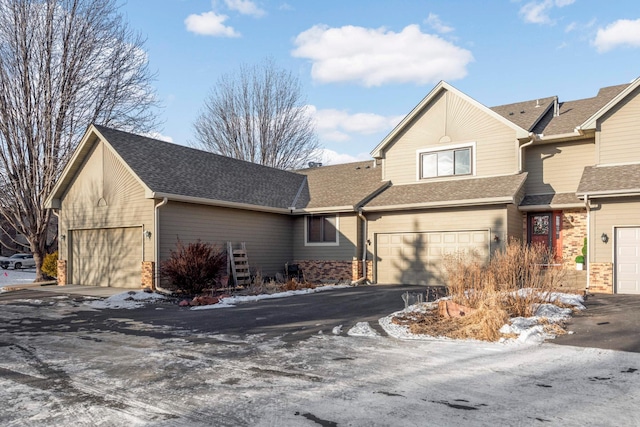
510, 285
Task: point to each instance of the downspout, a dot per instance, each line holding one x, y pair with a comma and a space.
521, 151
588, 261
156, 249
364, 248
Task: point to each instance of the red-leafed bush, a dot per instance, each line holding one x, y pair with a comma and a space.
194, 267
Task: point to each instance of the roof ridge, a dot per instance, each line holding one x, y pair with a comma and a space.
186, 147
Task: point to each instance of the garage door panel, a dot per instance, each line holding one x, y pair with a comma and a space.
107, 257
627, 260
420, 262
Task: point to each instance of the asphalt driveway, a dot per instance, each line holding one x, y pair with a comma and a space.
293, 319
610, 322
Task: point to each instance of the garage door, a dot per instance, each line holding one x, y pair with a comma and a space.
107, 257
627, 262
416, 258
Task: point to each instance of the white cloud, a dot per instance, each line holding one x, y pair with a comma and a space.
245, 7
623, 32
158, 135
570, 27
330, 157
537, 12
434, 21
209, 24
339, 125
374, 57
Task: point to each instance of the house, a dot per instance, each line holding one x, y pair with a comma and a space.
453, 175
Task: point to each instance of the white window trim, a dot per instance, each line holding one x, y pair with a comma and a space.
422, 151
306, 233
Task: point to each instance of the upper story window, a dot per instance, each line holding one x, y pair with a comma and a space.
448, 162
321, 230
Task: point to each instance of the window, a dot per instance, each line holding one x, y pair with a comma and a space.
456, 161
322, 229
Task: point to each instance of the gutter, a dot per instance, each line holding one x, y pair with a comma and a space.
156, 249
220, 203
433, 205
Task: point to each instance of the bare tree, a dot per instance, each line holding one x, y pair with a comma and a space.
258, 114
63, 65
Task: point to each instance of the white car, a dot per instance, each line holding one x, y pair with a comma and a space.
18, 261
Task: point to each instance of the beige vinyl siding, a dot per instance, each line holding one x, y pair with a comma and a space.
347, 237
619, 130
267, 235
104, 194
605, 215
491, 218
515, 223
557, 168
459, 122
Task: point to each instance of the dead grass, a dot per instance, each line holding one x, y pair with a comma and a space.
510, 285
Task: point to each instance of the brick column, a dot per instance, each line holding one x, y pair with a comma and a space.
601, 275
62, 272
148, 280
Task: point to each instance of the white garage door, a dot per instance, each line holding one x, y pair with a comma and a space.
627, 261
416, 258
107, 257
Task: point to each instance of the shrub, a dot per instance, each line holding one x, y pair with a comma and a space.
194, 267
580, 259
50, 264
516, 278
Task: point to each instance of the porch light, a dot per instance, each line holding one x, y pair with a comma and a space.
604, 238
147, 234
63, 237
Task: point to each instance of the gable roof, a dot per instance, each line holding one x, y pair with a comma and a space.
457, 192
609, 180
187, 174
590, 123
345, 186
526, 114
440, 87
573, 114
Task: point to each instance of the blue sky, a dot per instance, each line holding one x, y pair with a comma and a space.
364, 64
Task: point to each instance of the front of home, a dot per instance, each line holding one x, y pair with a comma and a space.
453, 176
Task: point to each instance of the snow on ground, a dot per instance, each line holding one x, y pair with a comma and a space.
69, 371
126, 300
233, 300
362, 329
132, 376
16, 277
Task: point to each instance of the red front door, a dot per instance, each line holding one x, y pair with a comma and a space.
544, 228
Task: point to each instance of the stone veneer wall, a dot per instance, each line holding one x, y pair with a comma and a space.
328, 271
601, 275
62, 272
148, 281
574, 230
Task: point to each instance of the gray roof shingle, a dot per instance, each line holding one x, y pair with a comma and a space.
551, 199
347, 184
528, 114
614, 179
574, 113
525, 114
175, 169
445, 192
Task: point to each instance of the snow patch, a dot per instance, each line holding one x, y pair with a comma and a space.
126, 300
362, 329
232, 301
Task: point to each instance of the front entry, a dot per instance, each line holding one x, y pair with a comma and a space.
544, 228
